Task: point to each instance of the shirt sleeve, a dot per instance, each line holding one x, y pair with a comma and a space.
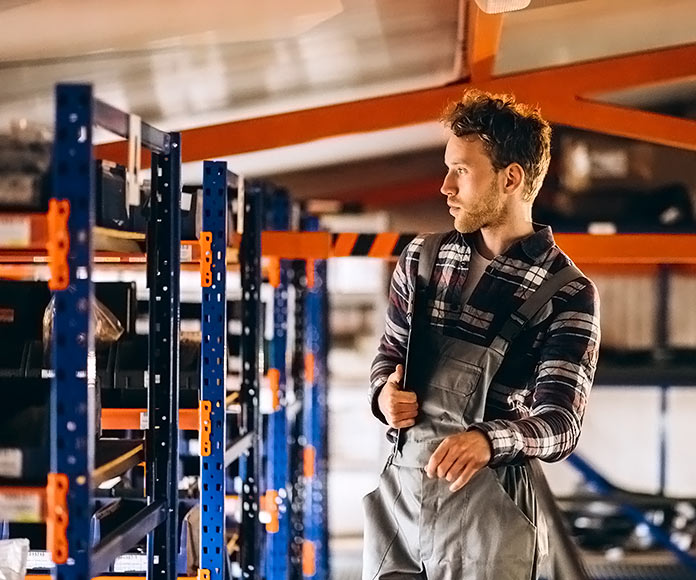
561, 385
392, 346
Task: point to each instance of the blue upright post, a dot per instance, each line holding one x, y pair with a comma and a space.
213, 240
296, 422
315, 402
277, 544
72, 403
164, 259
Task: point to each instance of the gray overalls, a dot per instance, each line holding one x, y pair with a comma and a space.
415, 527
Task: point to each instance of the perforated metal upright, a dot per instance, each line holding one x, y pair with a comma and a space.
250, 262
72, 399
296, 421
314, 556
277, 504
213, 240
162, 440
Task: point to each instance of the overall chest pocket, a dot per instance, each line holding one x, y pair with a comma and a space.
455, 376
449, 389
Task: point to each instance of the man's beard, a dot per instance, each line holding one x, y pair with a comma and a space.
487, 212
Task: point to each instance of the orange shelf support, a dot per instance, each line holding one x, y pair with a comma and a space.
309, 558
57, 517
309, 367
309, 269
274, 383
58, 243
271, 506
205, 428
309, 455
206, 260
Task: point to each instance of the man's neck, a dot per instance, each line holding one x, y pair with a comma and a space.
496, 240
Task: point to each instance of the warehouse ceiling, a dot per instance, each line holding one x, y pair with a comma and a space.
181, 64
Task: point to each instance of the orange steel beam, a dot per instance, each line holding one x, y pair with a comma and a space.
629, 248
632, 123
584, 249
482, 41
555, 90
130, 419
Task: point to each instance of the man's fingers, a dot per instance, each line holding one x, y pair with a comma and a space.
400, 415
404, 396
464, 478
400, 406
446, 464
455, 469
403, 423
436, 458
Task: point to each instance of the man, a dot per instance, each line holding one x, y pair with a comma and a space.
502, 334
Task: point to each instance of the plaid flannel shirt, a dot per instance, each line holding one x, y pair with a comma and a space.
537, 399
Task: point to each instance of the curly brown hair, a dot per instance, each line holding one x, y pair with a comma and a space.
511, 132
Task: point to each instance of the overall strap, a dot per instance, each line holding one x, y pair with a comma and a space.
426, 264
417, 309
519, 319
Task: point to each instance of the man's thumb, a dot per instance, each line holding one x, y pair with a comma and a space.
399, 372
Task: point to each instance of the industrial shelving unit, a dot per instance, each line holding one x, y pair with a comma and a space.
159, 248
70, 233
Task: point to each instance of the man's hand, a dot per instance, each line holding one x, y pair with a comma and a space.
399, 407
459, 457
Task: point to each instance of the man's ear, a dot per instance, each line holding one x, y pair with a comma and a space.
514, 177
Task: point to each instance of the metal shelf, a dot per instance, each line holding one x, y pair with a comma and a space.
68, 229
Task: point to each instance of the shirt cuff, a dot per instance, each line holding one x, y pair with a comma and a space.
375, 390
506, 442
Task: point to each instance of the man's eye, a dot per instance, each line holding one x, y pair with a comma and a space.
461, 171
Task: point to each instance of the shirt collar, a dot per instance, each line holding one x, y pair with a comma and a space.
533, 247
536, 245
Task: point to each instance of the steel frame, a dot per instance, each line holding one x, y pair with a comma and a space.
162, 440
250, 468
277, 474
214, 372
315, 548
72, 394
72, 384
564, 94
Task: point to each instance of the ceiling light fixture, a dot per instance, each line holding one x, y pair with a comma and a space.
498, 6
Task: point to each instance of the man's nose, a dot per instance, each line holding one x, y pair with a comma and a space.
448, 187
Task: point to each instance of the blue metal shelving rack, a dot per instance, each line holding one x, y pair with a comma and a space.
213, 410
297, 438
250, 425
315, 547
72, 422
277, 504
